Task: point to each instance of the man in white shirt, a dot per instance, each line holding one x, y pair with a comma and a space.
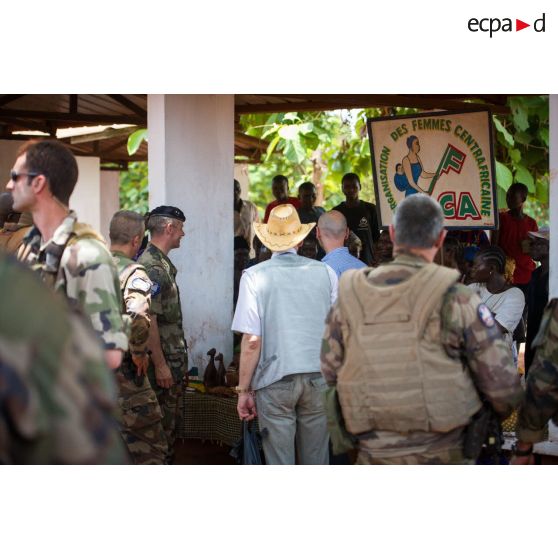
282, 306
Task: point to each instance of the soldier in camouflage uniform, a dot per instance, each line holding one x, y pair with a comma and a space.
166, 334
541, 399
141, 420
71, 257
13, 225
57, 399
407, 392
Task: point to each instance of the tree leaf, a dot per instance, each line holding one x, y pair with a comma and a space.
523, 138
271, 147
515, 155
504, 177
294, 151
306, 128
544, 135
519, 115
135, 139
289, 132
542, 191
291, 116
524, 176
508, 138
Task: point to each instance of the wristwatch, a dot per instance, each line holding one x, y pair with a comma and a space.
240, 390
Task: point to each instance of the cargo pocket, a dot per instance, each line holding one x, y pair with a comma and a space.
140, 411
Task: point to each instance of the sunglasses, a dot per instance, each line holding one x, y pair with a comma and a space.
15, 175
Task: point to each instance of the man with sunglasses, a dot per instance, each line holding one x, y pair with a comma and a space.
71, 257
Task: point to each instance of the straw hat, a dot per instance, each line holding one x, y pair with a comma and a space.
283, 229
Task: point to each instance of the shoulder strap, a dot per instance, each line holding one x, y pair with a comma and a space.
439, 279
82, 231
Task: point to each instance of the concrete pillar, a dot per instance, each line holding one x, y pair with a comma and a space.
191, 166
553, 289
86, 198
110, 199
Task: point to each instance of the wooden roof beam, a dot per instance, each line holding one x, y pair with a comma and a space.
98, 119
129, 105
5, 99
367, 101
105, 134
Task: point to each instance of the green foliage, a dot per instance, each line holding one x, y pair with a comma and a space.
312, 146
135, 139
133, 188
521, 152
337, 141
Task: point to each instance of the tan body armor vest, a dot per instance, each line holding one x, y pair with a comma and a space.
10, 240
397, 375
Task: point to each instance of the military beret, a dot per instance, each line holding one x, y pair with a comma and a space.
168, 211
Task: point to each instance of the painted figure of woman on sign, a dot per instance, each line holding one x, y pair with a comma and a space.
408, 172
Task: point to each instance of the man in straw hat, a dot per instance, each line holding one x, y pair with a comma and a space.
282, 306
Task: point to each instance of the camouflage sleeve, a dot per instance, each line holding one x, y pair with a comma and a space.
92, 284
57, 398
333, 349
137, 299
541, 398
158, 278
470, 332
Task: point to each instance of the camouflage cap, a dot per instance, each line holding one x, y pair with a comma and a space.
168, 211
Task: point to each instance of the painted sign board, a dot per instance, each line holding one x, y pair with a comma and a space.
446, 155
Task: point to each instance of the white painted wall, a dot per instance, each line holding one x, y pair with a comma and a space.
86, 199
553, 288
110, 199
191, 166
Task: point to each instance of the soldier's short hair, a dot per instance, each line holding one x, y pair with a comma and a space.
56, 162
418, 222
125, 225
157, 223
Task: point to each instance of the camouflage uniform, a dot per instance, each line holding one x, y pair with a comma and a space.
165, 305
541, 398
11, 236
141, 417
57, 398
76, 263
464, 336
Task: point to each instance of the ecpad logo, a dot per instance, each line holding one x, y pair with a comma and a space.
494, 24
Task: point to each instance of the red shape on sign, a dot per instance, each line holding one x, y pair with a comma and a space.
519, 25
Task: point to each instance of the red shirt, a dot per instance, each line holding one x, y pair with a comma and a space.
512, 233
270, 206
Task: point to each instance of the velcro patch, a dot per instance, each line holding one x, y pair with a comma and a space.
155, 289
139, 284
485, 315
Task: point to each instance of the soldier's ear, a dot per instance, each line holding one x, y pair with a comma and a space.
39, 184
